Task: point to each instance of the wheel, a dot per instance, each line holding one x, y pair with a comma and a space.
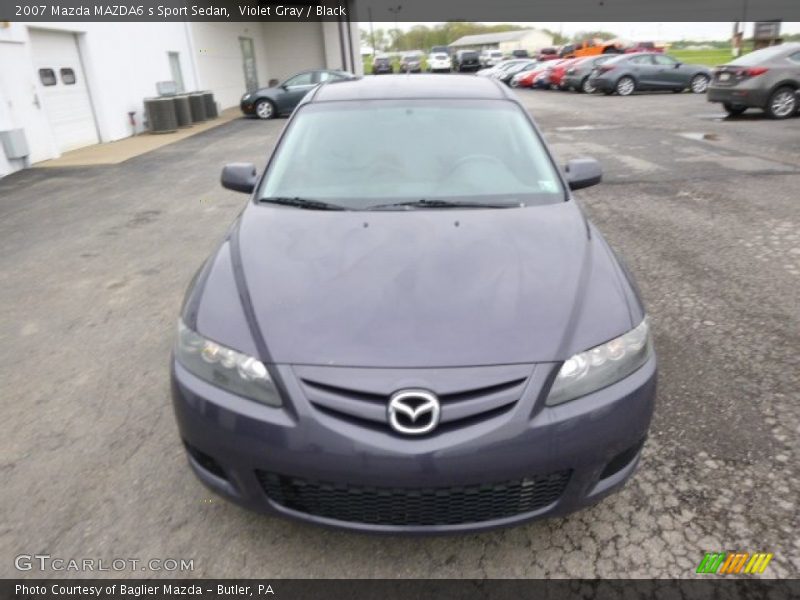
733, 111
699, 84
514, 83
586, 87
625, 86
782, 103
265, 109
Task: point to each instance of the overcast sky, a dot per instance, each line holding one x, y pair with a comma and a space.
662, 32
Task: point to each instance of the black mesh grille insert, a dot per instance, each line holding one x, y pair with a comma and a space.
414, 506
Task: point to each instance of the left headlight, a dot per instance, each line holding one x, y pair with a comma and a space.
225, 368
245, 97
602, 365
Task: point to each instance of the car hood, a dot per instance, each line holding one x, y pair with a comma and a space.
275, 90
427, 288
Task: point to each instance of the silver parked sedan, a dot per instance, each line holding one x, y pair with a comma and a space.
577, 76
629, 73
768, 79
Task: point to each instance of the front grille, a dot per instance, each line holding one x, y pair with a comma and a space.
460, 407
455, 505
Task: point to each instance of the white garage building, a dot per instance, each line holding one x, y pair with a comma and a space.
531, 40
68, 85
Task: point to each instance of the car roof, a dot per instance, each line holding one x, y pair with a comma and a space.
416, 86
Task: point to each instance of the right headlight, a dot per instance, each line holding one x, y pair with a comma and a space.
602, 365
225, 368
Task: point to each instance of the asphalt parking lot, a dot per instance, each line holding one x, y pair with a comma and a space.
94, 262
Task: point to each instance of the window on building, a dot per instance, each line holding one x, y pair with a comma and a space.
67, 76
47, 77
175, 69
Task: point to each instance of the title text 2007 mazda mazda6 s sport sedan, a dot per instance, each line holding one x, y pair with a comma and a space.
412, 327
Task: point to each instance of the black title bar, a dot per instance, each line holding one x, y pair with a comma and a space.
710, 587
402, 10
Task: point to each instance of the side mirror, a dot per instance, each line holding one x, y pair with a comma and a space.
239, 177
677, 65
583, 172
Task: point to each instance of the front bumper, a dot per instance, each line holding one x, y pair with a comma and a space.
236, 445
541, 82
603, 84
248, 107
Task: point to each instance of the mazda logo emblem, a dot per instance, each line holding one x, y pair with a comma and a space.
413, 412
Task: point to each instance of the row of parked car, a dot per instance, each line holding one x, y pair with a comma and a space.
620, 74
768, 79
437, 62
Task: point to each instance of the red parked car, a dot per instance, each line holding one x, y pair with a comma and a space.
547, 54
559, 70
643, 47
525, 78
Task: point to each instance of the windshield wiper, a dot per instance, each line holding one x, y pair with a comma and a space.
425, 203
298, 202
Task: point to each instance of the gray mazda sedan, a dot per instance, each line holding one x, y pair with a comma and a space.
629, 73
412, 326
768, 79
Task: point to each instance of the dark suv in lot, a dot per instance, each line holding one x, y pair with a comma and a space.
381, 65
466, 60
768, 79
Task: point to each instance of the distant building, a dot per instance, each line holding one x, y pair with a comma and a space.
72, 84
507, 41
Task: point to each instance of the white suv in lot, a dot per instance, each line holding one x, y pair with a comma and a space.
490, 58
439, 61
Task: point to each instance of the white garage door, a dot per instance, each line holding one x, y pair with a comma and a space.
65, 95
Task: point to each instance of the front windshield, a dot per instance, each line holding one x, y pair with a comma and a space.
364, 154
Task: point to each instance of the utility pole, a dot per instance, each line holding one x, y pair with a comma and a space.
395, 10
738, 36
371, 30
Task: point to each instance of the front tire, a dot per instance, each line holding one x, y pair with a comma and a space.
586, 87
699, 83
782, 103
265, 109
625, 86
